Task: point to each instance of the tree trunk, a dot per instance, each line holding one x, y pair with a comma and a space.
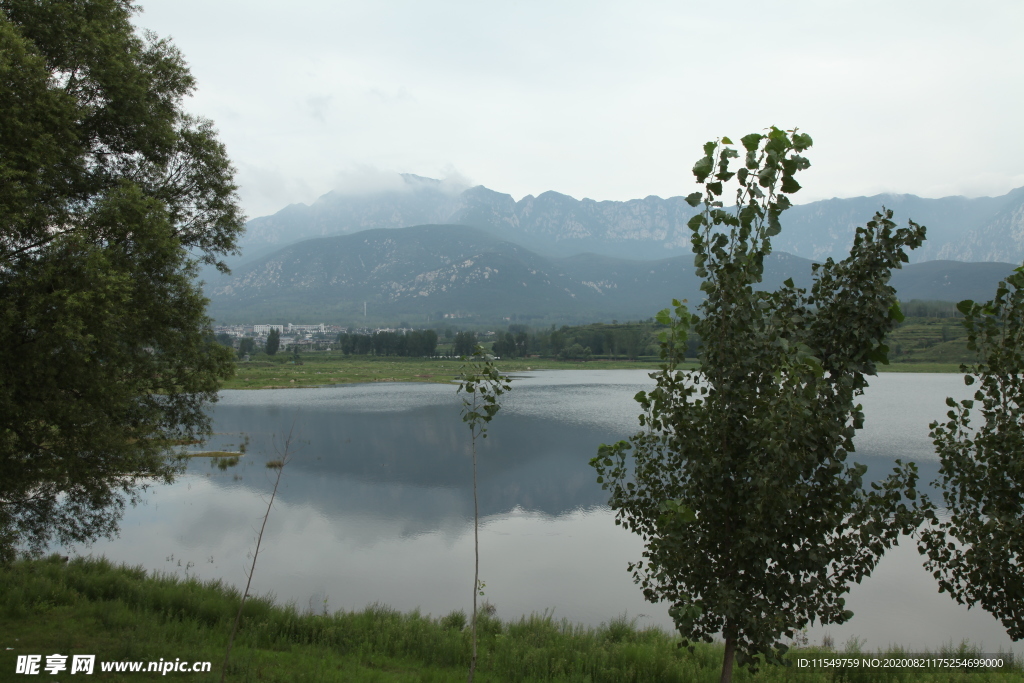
730, 657
476, 556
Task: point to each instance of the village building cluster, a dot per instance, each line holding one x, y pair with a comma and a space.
320, 336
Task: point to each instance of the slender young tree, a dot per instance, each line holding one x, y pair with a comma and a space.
754, 523
246, 346
981, 451
482, 385
273, 342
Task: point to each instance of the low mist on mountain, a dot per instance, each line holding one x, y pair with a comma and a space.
430, 273
553, 224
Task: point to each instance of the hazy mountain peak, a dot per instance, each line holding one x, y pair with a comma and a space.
982, 228
430, 273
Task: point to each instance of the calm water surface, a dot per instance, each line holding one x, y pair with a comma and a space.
377, 505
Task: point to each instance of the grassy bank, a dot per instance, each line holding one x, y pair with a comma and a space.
123, 614
326, 368
920, 367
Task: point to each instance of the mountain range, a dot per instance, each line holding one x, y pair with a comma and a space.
424, 249
427, 273
553, 224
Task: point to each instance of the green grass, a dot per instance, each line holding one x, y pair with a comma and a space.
919, 344
920, 367
929, 340
89, 606
326, 368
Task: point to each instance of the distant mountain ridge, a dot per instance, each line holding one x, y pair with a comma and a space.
427, 272
553, 224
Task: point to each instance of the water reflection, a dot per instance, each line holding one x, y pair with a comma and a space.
414, 463
377, 502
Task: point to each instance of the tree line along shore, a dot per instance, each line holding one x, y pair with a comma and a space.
935, 342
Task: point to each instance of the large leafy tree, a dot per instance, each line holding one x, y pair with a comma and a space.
981, 450
110, 196
754, 522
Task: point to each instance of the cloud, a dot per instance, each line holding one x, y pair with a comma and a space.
400, 96
266, 190
452, 181
318, 106
364, 179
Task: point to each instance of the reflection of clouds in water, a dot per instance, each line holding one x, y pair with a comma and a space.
401, 463
389, 396
592, 397
599, 398
898, 409
899, 604
349, 524
383, 514
898, 406
531, 561
574, 563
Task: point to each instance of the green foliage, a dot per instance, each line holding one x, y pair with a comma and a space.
575, 352
246, 346
456, 620
273, 342
582, 342
982, 471
505, 345
483, 385
917, 308
414, 343
517, 341
465, 343
109, 197
754, 523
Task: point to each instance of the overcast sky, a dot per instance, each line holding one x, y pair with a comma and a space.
606, 100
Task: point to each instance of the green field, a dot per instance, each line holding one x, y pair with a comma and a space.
916, 345
122, 614
327, 368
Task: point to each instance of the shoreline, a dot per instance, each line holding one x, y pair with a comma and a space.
317, 372
126, 613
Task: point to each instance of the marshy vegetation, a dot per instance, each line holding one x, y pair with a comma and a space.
123, 613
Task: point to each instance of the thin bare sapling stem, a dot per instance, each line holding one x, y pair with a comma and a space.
278, 465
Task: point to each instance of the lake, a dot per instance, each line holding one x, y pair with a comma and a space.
376, 505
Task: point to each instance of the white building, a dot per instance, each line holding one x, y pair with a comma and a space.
310, 329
